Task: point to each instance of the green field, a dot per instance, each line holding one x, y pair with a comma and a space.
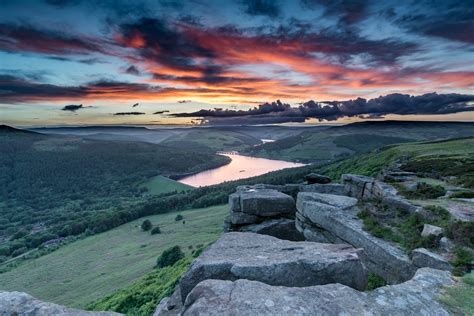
97, 266
159, 185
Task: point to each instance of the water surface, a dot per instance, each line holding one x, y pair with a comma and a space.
240, 167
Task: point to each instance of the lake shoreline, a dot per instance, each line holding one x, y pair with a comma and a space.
239, 167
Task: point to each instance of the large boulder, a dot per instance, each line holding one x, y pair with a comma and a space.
266, 203
424, 258
418, 296
381, 257
277, 262
281, 228
317, 178
18, 303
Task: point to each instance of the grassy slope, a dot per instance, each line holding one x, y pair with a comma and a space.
370, 164
344, 141
159, 185
96, 266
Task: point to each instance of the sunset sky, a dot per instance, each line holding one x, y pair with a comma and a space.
182, 56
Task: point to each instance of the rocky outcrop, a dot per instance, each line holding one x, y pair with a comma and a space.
366, 188
255, 205
317, 178
424, 258
244, 297
18, 303
341, 223
276, 262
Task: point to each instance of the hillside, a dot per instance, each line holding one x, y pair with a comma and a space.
97, 266
457, 152
52, 187
344, 141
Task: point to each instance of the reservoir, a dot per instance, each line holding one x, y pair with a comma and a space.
240, 167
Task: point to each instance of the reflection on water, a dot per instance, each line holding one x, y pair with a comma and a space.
241, 167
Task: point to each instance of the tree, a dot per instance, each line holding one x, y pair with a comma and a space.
178, 217
146, 225
155, 230
169, 257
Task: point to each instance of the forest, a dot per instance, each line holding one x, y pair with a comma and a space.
52, 187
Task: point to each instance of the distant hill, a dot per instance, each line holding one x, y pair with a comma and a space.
344, 141
4, 129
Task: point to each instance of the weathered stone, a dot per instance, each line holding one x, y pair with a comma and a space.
366, 188
315, 235
382, 257
424, 258
338, 201
276, 262
18, 303
431, 230
266, 203
356, 185
330, 188
317, 178
234, 203
240, 218
282, 228
418, 296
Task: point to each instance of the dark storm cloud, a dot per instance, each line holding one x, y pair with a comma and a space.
164, 44
129, 113
26, 38
268, 8
17, 89
72, 107
265, 108
401, 104
349, 12
452, 20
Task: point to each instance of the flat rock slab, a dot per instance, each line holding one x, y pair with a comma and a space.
266, 203
382, 257
338, 201
19, 303
243, 297
276, 262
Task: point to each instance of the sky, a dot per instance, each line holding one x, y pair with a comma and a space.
79, 62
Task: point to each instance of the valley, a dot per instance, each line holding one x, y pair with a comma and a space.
104, 252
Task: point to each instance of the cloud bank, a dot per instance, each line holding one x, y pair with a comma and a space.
402, 104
